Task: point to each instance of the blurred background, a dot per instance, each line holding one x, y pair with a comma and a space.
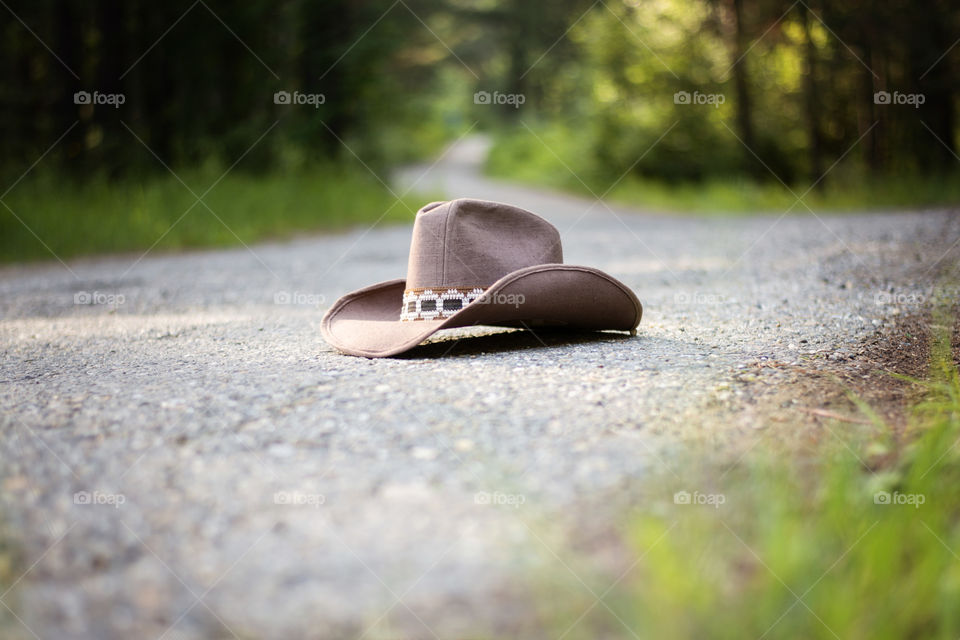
288, 116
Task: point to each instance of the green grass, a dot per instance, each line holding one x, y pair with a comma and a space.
743, 196
97, 216
11, 568
560, 158
800, 548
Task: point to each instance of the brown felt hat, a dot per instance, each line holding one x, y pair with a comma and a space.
478, 262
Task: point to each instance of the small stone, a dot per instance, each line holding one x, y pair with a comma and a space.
463, 444
423, 453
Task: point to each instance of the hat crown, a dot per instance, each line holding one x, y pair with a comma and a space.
474, 243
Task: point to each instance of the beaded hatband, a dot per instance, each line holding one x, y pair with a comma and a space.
436, 302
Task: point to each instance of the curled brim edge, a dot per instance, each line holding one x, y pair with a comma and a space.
367, 322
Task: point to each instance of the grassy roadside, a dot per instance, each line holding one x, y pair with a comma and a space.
857, 538
96, 216
555, 158
11, 568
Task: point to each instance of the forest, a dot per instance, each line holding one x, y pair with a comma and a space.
114, 95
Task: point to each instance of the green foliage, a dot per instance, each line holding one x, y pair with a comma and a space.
681, 92
744, 195
796, 82
792, 83
198, 82
98, 215
555, 156
559, 156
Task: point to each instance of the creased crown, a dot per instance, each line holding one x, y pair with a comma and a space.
474, 243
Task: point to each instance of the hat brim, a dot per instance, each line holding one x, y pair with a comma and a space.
367, 322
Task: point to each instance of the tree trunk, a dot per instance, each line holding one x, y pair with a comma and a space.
869, 115
110, 59
811, 102
932, 78
67, 28
744, 107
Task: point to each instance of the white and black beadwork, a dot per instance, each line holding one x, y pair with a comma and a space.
434, 303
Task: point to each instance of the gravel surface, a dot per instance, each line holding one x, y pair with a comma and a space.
184, 457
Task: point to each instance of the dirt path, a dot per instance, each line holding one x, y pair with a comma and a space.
186, 458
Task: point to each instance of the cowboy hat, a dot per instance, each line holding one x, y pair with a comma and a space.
478, 262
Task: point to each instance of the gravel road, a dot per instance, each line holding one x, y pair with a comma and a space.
184, 457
